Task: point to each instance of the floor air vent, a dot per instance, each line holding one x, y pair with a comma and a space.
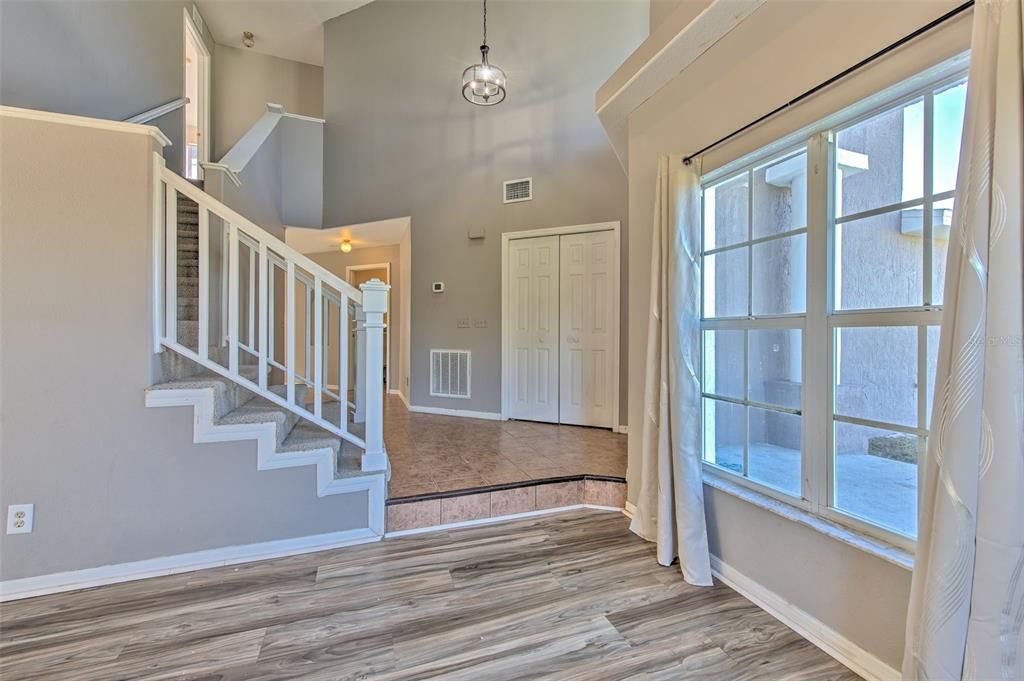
519, 190
449, 373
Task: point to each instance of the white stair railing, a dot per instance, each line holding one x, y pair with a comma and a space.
259, 334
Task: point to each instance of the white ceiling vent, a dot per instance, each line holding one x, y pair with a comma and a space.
449, 373
518, 190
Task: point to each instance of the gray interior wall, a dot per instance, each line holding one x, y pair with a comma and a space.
108, 59
247, 81
302, 172
421, 150
111, 480
259, 196
758, 66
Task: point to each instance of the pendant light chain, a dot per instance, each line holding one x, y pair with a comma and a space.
484, 84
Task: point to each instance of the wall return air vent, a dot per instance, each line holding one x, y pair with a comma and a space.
449, 373
518, 190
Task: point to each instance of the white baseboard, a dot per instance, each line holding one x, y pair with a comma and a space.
622, 429
630, 510
829, 640
499, 519
401, 396
14, 589
488, 415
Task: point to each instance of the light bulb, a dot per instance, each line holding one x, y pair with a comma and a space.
346, 246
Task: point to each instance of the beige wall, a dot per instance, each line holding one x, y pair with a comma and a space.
103, 58
111, 480
244, 81
761, 64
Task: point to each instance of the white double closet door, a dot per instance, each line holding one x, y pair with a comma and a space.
562, 320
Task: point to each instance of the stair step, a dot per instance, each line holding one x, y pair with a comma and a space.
260, 410
188, 334
305, 436
188, 311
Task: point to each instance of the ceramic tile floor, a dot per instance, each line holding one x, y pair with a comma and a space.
431, 453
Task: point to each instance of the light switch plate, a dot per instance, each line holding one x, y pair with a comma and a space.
19, 518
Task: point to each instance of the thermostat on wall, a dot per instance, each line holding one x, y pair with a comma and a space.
437, 287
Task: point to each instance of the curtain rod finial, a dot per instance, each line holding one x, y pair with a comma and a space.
687, 160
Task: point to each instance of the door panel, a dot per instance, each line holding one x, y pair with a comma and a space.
533, 352
586, 329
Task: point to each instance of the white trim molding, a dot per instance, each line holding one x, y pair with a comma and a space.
818, 633
401, 396
27, 587
465, 413
85, 122
220, 167
158, 111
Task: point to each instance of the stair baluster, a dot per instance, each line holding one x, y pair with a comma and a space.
249, 322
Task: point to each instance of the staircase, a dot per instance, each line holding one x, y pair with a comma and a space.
237, 385
188, 271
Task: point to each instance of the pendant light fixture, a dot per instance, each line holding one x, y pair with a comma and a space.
483, 84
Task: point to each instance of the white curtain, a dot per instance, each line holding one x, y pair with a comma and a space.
967, 598
670, 506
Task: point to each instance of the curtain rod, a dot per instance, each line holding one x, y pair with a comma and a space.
687, 160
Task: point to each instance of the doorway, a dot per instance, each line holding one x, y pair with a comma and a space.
197, 106
360, 274
560, 325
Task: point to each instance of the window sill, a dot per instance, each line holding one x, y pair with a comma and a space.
858, 540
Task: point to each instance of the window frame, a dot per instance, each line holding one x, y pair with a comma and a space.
821, 321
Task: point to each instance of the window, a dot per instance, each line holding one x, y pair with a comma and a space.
821, 301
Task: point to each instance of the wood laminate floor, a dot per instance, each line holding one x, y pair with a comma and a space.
567, 596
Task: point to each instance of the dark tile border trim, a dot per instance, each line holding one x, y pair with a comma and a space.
503, 486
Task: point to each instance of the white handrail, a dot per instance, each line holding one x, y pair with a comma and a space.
258, 234
251, 316
157, 112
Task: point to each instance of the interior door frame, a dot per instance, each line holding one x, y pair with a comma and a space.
191, 32
349, 269
506, 240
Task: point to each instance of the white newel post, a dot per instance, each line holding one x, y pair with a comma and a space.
359, 379
375, 304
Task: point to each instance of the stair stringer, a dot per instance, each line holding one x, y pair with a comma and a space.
206, 430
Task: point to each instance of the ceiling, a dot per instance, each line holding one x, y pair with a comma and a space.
380, 233
291, 29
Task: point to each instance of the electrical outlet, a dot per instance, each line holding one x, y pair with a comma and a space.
19, 518
462, 324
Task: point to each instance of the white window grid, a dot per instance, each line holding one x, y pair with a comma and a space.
821, 321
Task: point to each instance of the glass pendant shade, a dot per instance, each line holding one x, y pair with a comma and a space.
483, 84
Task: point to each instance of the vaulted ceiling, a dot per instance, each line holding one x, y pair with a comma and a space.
291, 29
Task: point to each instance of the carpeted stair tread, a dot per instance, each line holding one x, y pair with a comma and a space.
259, 410
349, 461
305, 436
